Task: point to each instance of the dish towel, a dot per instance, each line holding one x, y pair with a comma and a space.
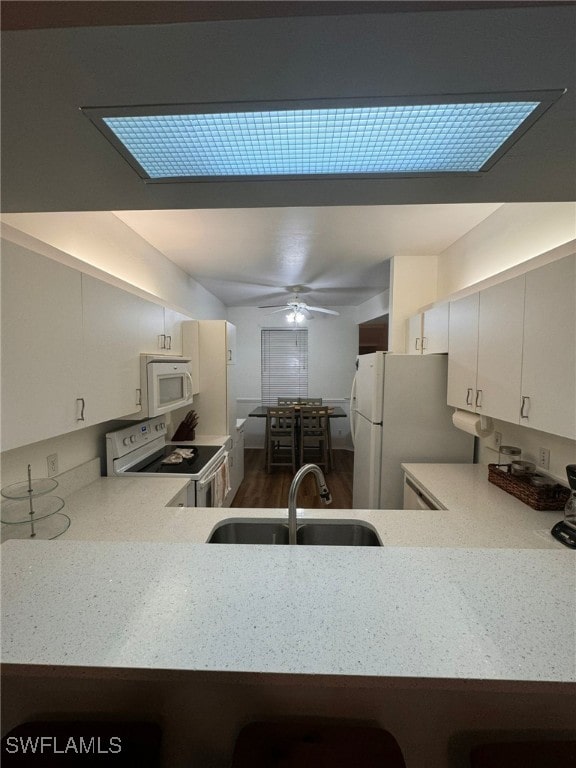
221, 483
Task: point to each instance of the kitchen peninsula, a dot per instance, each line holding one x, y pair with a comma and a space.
130, 612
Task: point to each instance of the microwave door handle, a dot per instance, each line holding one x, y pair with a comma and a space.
189, 377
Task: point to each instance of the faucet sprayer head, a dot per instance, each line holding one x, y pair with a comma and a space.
325, 495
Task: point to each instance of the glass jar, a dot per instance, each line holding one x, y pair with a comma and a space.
506, 455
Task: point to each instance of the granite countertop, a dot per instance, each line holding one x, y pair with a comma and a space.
456, 614
479, 512
452, 594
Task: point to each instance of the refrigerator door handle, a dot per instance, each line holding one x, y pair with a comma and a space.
353, 409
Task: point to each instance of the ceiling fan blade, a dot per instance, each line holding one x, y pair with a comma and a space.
282, 309
321, 309
272, 306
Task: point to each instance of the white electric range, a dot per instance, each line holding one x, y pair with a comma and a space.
141, 450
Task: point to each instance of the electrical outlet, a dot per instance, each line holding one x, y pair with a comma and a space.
52, 462
497, 439
544, 458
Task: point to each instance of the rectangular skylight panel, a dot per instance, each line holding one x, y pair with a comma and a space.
374, 140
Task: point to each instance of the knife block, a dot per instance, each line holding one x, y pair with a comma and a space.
184, 432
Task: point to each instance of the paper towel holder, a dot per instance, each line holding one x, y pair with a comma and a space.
474, 423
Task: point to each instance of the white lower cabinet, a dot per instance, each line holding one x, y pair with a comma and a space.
237, 462
180, 500
41, 347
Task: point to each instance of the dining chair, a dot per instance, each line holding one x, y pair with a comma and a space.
315, 435
280, 444
311, 401
288, 401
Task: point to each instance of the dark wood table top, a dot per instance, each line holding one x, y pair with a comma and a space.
335, 412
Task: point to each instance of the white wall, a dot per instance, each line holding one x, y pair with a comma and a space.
513, 234
562, 450
157, 279
375, 307
413, 283
98, 239
332, 350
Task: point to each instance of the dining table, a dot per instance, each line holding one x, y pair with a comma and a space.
334, 412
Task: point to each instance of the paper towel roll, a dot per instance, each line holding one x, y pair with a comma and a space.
473, 423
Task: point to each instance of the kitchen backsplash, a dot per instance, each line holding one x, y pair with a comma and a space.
562, 450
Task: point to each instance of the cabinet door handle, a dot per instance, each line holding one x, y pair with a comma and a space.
82, 404
162, 341
168, 342
469, 396
230, 355
478, 398
417, 344
525, 407
138, 397
424, 343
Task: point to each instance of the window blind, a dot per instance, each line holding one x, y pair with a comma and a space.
284, 364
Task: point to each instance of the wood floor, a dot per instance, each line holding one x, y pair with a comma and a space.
260, 489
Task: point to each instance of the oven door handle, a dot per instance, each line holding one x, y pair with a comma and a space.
207, 480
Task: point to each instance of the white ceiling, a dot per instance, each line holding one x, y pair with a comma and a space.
247, 241
338, 254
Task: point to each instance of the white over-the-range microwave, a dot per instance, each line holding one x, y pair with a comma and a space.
165, 384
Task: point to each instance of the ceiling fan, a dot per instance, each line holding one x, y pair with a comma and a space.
297, 310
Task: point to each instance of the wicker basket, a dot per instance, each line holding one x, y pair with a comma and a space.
543, 498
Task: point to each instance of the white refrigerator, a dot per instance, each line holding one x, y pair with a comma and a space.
399, 414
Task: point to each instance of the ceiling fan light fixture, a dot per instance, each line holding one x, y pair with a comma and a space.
295, 317
353, 137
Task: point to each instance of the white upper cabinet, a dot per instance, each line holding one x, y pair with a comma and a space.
414, 335
152, 336
173, 330
512, 350
111, 367
71, 347
230, 344
485, 351
428, 331
161, 329
41, 347
435, 330
549, 359
217, 399
500, 332
190, 349
463, 352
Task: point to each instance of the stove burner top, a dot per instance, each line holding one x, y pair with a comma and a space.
191, 466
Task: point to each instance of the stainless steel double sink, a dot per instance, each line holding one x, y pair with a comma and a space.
313, 532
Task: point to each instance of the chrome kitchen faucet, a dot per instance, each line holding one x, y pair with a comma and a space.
295, 485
